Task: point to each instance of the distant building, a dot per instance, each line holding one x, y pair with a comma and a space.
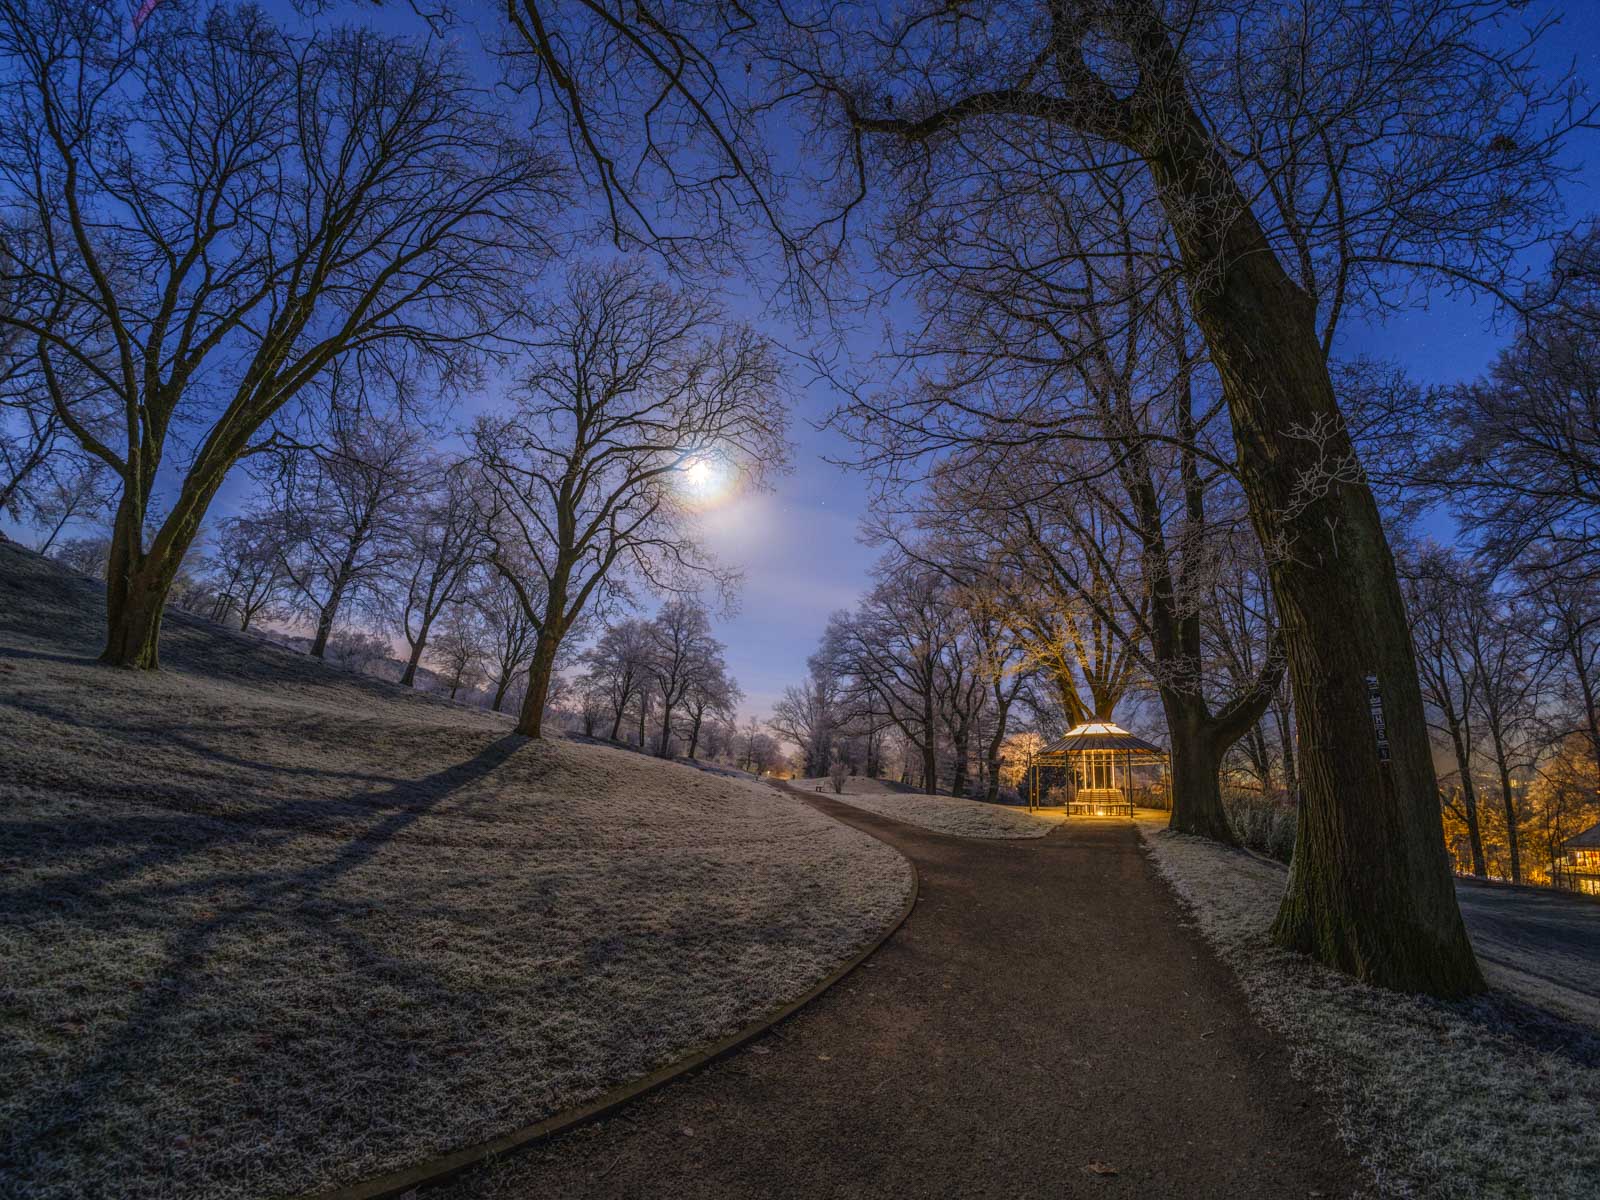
1579, 862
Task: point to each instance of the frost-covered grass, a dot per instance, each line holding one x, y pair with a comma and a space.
1493, 1098
942, 814
267, 928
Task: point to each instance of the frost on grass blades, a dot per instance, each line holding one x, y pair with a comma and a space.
271, 927
941, 814
1454, 1101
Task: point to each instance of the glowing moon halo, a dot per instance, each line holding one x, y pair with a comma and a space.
706, 481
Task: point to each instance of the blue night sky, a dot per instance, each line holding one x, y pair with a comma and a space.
797, 545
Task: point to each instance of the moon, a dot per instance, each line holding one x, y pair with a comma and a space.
706, 481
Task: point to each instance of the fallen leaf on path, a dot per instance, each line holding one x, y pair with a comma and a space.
824, 1058
759, 1050
1095, 1167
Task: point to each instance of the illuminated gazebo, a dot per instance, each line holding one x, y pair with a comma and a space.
1101, 765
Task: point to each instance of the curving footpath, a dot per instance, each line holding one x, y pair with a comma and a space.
1042, 1026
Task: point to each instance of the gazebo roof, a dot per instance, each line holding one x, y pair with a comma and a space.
1590, 837
1100, 735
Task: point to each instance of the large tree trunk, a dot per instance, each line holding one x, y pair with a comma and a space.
325, 616
540, 670
136, 593
1196, 760
992, 792
409, 677
134, 606
665, 749
958, 776
1370, 888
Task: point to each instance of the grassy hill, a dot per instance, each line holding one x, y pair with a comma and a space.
269, 927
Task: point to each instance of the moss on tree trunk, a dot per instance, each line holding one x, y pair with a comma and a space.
1370, 890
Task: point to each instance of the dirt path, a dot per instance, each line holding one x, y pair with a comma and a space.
1040, 1019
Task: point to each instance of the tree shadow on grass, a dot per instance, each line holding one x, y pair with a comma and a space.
1535, 1027
79, 1090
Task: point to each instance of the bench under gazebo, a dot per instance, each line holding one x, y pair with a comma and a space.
1100, 764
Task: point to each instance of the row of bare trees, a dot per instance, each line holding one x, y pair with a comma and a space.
494, 561
1274, 171
1507, 622
213, 224
1092, 551
1244, 177
666, 680
227, 241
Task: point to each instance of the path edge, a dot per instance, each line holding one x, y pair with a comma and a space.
446, 1166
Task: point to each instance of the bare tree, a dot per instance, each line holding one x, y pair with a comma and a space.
1294, 183
28, 435
1508, 677
1002, 666
634, 390
1438, 584
75, 489
712, 694
681, 649
441, 544
462, 648
510, 634
246, 570
758, 752
1566, 615
889, 650
1518, 454
241, 208
342, 516
808, 715
961, 679
32, 433
86, 555
618, 666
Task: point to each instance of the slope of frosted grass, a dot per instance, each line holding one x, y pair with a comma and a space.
941, 814
1493, 1098
267, 927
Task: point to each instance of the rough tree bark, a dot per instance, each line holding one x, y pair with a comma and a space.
1370, 794
540, 671
408, 677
